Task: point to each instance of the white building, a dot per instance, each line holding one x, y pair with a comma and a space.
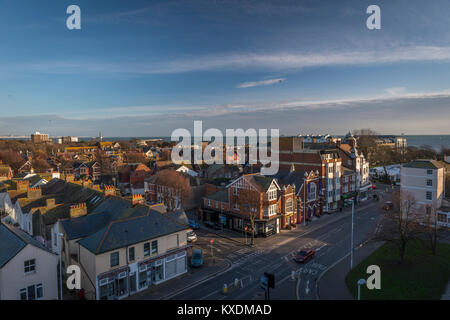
12, 213
353, 159
28, 270
425, 181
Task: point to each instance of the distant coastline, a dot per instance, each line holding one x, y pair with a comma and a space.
434, 141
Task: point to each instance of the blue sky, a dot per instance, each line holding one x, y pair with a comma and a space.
140, 68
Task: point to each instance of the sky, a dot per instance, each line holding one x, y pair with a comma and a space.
146, 68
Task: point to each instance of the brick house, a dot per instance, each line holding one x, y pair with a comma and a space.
326, 161
133, 173
248, 196
95, 171
306, 186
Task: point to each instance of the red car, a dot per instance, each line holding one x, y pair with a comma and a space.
304, 255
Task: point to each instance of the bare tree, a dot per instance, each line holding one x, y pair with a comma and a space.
400, 223
432, 230
173, 187
250, 204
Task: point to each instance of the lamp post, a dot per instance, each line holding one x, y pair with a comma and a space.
60, 236
353, 224
361, 282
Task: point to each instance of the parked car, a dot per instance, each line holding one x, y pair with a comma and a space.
191, 236
388, 206
193, 224
213, 225
304, 255
197, 258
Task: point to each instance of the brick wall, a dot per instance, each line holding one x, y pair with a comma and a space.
137, 199
34, 193
78, 210
22, 185
50, 203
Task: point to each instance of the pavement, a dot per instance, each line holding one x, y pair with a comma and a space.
239, 265
184, 282
329, 236
317, 223
446, 295
331, 285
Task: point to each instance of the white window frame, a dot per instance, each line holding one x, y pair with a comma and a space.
29, 266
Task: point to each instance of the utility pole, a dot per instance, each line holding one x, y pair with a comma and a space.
353, 223
60, 235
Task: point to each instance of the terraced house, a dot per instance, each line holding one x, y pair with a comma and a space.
123, 247
129, 255
249, 197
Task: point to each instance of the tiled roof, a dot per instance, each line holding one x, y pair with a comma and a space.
263, 181
108, 210
12, 241
293, 178
121, 233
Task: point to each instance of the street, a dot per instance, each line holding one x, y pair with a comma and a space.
329, 236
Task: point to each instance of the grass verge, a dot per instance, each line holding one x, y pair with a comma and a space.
420, 276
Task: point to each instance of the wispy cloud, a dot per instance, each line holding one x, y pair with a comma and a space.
396, 90
274, 61
260, 83
212, 111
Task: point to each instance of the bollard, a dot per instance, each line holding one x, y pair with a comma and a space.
236, 282
225, 288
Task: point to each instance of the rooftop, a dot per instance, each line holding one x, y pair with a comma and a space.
12, 241
424, 164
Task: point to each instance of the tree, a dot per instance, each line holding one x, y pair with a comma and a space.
13, 158
105, 162
40, 165
173, 187
250, 204
366, 142
400, 224
432, 230
134, 157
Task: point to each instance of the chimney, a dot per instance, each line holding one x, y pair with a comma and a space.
50, 203
34, 193
22, 185
109, 191
78, 210
137, 199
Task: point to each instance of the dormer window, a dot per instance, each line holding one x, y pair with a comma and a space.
272, 194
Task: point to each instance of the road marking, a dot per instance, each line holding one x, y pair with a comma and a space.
307, 287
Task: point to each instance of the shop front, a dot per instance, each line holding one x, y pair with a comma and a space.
126, 281
364, 192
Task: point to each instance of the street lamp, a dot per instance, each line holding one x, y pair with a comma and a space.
353, 224
60, 236
361, 282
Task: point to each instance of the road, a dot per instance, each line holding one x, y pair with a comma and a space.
331, 242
